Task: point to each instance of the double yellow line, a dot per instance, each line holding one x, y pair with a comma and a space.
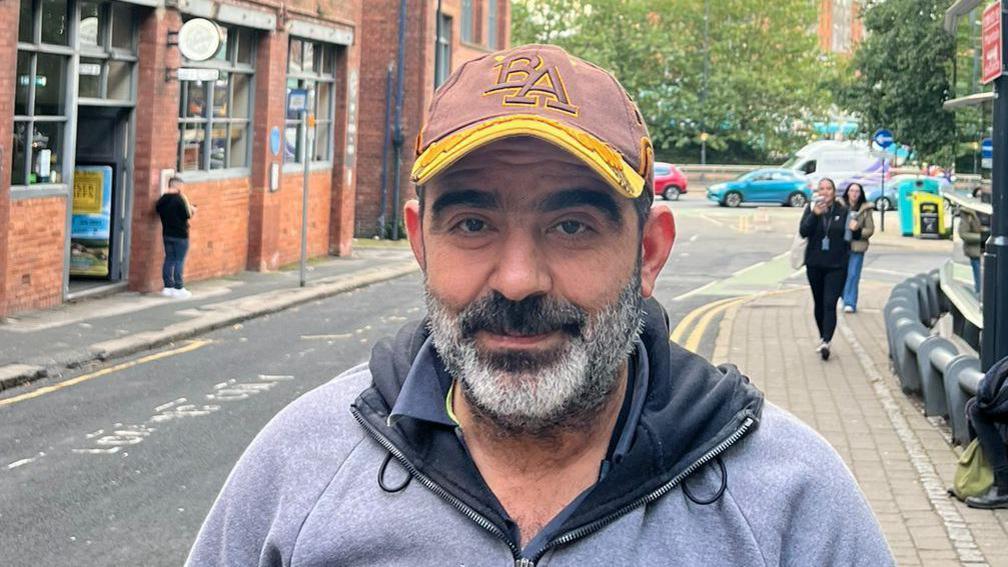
705, 314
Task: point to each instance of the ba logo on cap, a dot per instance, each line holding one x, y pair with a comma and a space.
525, 84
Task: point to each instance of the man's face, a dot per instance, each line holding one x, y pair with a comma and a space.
533, 278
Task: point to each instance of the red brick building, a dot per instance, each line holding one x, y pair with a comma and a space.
840, 28
98, 106
469, 28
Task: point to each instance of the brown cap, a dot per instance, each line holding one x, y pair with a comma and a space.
541, 91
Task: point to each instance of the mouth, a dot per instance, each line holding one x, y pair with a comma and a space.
505, 341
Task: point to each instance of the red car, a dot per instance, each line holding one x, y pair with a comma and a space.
669, 182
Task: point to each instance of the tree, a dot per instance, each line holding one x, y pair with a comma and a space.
902, 75
766, 76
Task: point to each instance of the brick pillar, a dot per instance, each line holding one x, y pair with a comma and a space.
346, 127
156, 144
270, 105
8, 63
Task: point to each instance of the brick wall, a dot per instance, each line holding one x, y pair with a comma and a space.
35, 266
218, 232
8, 63
288, 247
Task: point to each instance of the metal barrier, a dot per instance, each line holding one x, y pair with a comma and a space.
927, 364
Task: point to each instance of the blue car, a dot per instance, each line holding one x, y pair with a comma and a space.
768, 185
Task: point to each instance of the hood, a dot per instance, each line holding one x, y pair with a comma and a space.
690, 408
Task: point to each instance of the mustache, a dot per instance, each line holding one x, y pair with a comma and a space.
533, 315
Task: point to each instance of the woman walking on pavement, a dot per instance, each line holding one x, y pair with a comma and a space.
824, 223
861, 215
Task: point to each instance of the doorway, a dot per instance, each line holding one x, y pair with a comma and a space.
102, 185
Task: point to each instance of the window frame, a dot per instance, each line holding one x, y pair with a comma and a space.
491, 38
229, 68
444, 45
323, 54
108, 54
466, 22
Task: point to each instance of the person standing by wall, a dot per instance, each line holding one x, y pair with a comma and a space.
824, 224
970, 230
860, 219
175, 211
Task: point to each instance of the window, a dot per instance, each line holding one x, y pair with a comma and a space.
215, 115
40, 115
492, 24
466, 33
444, 51
108, 52
310, 67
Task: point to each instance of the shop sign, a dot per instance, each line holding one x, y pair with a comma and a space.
91, 221
990, 39
192, 74
89, 30
89, 69
297, 100
199, 39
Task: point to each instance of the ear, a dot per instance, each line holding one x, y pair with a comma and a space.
414, 230
656, 245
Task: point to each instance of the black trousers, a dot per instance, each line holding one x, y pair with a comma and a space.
989, 432
827, 284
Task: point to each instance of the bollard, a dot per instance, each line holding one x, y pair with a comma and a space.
933, 355
907, 336
895, 315
962, 376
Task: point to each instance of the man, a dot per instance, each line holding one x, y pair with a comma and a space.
539, 415
175, 211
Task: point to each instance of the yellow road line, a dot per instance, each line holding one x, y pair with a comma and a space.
693, 342
193, 345
680, 329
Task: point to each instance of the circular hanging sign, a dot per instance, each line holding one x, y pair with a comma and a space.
199, 39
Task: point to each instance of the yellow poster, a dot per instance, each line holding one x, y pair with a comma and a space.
87, 199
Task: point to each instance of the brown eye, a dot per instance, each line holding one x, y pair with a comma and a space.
472, 225
571, 227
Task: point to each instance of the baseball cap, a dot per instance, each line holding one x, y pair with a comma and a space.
540, 91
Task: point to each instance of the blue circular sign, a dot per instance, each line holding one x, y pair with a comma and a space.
275, 141
883, 137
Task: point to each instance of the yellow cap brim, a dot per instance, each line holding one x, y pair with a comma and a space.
595, 153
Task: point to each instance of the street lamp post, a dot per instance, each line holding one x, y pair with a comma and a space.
703, 92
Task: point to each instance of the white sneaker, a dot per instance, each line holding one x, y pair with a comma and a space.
183, 293
168, 292
848, 309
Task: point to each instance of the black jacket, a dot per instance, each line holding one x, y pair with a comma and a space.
992, 393
174, 213
692, 409
832, 224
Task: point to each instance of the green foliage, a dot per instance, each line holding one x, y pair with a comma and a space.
902, 75
766, 78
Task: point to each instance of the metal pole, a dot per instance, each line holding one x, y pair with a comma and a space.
437, 43
397, 139
882, 213
306, 157
703, 93
994, 340
384, 151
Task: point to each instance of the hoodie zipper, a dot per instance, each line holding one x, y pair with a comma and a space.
570, 536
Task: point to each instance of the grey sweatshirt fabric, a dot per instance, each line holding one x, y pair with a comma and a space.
305, 493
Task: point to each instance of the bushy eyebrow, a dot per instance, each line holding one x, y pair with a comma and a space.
464, 197
571, 198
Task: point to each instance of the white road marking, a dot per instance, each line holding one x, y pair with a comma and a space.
22, 462
694, 238
326, 337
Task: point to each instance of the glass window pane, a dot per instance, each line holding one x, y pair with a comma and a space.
239, 145
49, 84
120, 84
220, 96
218, 145
291, 85
90, 23
292, 144
246, 46
294, 57
54, 22
194, 98
310, 102
47, 150
222, 51
192, 136
122, 26
330, 59
89, 81
19, 153
324, 94
308, 60
23, 83
241, 86
322, 141
25, 23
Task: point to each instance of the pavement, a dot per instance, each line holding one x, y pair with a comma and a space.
44, 344
903, 461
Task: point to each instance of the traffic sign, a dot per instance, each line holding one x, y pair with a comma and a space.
883, 137
990, 36
987, 148
297, 100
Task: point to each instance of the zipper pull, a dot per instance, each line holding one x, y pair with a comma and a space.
523, 562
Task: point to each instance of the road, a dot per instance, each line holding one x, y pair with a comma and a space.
118, 465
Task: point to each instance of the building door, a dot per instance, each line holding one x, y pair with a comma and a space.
101, 194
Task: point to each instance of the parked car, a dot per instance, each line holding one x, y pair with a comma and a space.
890, 199
669, 181
769, 185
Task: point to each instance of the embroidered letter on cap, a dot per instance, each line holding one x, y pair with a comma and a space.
531, 85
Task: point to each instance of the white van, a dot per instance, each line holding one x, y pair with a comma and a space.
843, 162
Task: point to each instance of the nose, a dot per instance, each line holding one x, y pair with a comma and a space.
521, 270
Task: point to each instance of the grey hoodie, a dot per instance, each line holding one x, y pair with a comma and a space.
306, 492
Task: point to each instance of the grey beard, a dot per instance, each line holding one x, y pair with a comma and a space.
538, 393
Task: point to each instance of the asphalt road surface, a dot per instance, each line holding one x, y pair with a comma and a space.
120, 465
